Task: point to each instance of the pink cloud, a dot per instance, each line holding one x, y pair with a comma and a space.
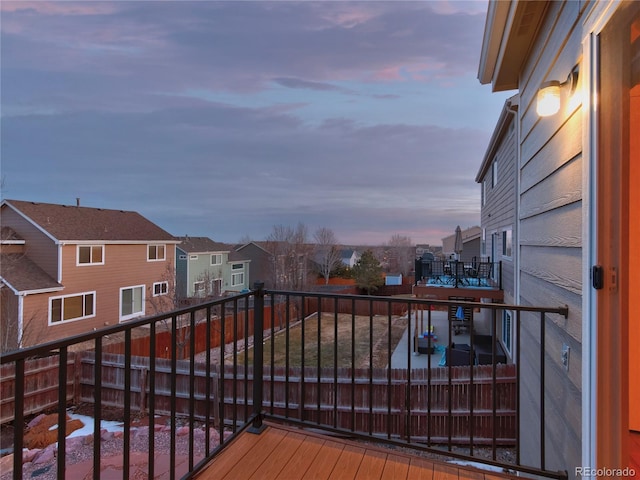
60, 8
388, 74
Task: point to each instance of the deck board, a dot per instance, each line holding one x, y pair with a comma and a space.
261, 451
285, 453
348, 464
303, 458
325, 461
396, 468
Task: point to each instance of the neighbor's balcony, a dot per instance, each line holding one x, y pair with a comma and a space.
445, 279
342, 364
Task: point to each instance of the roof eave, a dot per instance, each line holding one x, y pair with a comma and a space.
510, 30
509, 108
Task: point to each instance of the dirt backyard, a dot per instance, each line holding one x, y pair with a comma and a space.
336, 331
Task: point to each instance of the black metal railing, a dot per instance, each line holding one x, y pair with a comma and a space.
342, 363
456, 273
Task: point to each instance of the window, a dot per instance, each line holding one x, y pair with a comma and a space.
199, 289
160, 288
237, 266
156, 253
484, 193
483, 243
182, 257
237, 279
90, 255
494, 173
506, 243
193, 257
131, 302
72, 307
507, 325
216, 259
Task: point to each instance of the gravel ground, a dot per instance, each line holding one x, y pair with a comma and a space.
80, 449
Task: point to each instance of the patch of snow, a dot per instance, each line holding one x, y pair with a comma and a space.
110, 426
481, 466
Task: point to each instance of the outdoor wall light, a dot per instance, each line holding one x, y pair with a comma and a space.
548, 100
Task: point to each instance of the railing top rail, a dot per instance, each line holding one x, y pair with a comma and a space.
561, 310
48, 347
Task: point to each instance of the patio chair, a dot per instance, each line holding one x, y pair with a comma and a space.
484, 273
459, 274
437, 271
461, 317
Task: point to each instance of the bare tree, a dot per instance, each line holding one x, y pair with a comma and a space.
400, 253
327, 252
290, 252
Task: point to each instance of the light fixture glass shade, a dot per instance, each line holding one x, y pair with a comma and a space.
548, 101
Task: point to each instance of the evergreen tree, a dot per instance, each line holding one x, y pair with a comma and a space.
368, 272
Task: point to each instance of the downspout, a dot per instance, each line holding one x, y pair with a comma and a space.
514, 109
60, 245
20, 332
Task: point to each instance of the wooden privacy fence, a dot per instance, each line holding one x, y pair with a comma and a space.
380, 402
41, 386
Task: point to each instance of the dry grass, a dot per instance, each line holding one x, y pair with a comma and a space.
326, 355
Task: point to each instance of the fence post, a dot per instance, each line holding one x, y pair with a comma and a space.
258, 351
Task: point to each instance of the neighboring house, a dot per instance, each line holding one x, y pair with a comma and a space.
205, 268
260, 260
279, 264
497, 177
471, 241
349, 257
578, 219
68, 270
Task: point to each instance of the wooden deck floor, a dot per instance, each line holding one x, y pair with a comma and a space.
282, 453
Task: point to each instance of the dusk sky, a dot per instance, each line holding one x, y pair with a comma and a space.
223, 119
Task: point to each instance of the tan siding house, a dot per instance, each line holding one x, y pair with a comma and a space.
576, 218
80, 269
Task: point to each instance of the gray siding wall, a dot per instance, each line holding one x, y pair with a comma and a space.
499, 210
38, 246
551, 211
260, 268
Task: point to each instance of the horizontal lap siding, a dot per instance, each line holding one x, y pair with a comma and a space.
125, 266
551, 212
41, 249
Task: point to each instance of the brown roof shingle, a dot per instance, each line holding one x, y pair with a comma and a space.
23, 275
201, 245
70, 223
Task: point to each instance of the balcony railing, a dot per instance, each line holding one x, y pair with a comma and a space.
310, 359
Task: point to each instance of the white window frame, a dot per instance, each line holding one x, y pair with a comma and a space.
234, 282
163, 291
494, 173
142, 303
91, 262
213, 285
507, 330
216, 259
73, 295
237, 266
155, 246
199, 292
193, 257
182, 257
507, 243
